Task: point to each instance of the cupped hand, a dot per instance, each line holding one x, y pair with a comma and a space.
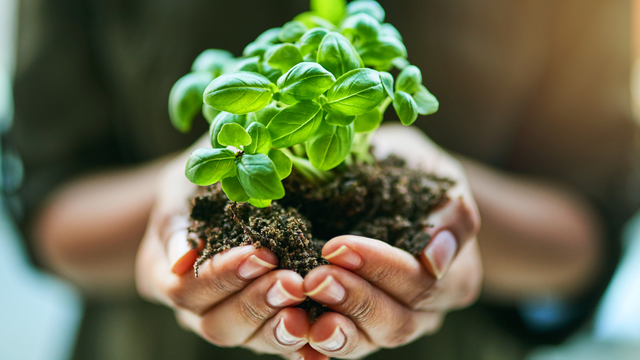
384, 297
237, 300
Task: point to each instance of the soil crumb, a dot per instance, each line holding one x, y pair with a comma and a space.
385, 201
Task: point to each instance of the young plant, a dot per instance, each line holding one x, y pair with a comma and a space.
307, 95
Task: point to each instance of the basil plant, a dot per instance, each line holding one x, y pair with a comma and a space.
307, 95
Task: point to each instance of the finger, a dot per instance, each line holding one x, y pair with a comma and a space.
219, 277
335, 335
233, 321
285, 333
307, 353
385, 321
461, 286
394, 271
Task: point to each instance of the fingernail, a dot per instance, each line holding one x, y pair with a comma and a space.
278, 296
181, 255
284, 337
346, 258
440, 253
329, 291
335, 342
253, 266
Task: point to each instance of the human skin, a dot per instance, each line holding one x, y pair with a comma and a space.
399, 290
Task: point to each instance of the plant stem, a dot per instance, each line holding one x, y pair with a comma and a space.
362, 143
304, 167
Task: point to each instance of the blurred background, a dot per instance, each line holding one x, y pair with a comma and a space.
40, 315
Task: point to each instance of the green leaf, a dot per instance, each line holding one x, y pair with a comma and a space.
390, 30
339, 120
282, 162
310, 41
368, 121
212, 60
355, 93
292, 31
260, 139
208, 166
271, 36
234, 190
295, 124
260, 203
256, 49
185, 99
265, 115
367, 7
409, 80
360, 28
283, 56
406, 108
426, 102
330, 146
272, 74
239, 93
251, 64
209, 113
381, 53
233, 134
332, 10
387, 82
337, 55
305, 81
312, 20
259, 177
222, 119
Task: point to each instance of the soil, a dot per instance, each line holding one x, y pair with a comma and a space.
385, 201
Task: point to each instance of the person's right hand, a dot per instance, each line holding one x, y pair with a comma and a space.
237, 300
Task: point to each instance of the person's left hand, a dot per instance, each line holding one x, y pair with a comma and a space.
384, 297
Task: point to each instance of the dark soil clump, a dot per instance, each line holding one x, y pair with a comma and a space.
385, 201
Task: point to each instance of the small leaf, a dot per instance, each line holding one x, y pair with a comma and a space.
390, 30
387, 82
272, 74
283, 56
339, 120
361, 28
406, 108
185, 99
330, 146
310, 41
239, 93
355, 93
234, 135
282, 162
295, 124
256, 49
251, 64
209, 113
311, 20
234, 190
305, 81
208, 166
260, 203
292, 31
259, 177
332, 10
368, 7
368, 122
337, 55
381, 53
212, 60
409, 80
265, 115
260, 139
426, 102
271, 36
222, 119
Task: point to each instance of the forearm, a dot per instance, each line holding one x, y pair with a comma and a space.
536, 239
89, 230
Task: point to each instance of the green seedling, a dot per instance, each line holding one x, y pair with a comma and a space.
307, 95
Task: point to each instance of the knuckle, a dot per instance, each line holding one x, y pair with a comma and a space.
363, 312
177, 294
253, 314
401, 334
422, 298
382, 274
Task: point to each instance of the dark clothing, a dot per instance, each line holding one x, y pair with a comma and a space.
537, 87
